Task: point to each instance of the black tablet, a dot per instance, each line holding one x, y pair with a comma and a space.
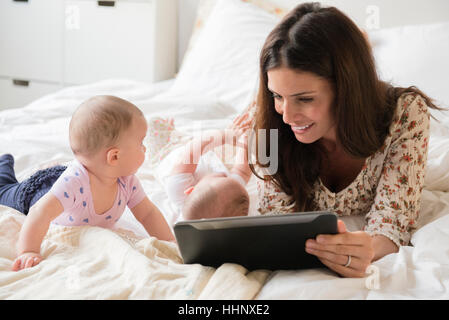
273, 242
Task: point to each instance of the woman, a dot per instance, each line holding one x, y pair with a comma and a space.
348, 142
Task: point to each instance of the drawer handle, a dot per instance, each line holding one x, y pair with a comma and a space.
20, 0
106, 3
23, 83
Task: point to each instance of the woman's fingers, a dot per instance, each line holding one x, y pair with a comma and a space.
340, 259
348, 272
334, 252
341, 226
356, 251
353, 238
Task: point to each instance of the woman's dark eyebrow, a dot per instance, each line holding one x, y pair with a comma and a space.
293, 95
302, 93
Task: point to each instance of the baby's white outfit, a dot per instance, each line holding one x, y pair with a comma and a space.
176, 184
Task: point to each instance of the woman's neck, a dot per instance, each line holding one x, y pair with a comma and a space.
331, 146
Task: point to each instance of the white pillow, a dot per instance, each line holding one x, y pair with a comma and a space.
418, 55
224, 61
415, 55
437, 173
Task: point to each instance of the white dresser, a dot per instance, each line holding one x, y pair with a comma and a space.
48, 44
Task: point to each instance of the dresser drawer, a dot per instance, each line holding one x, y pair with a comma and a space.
121, 46
31, 39
23, 92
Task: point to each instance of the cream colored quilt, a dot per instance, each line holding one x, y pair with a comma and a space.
95, 263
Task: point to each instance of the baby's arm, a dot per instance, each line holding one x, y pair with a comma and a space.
189, 158
241, 166
209, 140
152, 220
34, 230
241, 127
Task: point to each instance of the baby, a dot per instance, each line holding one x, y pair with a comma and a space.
106, 136
203, 187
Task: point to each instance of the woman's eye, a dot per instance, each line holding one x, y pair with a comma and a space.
276, 96
305, 99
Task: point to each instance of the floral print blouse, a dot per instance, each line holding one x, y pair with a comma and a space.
388, 188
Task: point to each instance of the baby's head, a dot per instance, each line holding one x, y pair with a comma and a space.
215, 196
108, 130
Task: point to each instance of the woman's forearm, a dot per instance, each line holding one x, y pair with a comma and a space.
383, 246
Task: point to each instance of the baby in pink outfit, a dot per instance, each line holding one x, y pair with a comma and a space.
106, 136
73, 191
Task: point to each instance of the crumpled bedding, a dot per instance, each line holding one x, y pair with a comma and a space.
95, 263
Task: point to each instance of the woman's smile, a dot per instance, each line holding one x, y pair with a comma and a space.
302, 129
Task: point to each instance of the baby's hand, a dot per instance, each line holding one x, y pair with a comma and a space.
26, 260
242, 142
241, 124
239, 128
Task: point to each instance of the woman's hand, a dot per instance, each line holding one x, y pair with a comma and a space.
334, 251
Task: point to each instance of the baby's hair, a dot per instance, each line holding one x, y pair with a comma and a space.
98, 122
206, 202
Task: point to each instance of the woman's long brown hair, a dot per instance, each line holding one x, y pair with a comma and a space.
325, 42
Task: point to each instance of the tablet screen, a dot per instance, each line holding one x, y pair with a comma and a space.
273, 242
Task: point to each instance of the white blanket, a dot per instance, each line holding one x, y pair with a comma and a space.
420, 271
95, 263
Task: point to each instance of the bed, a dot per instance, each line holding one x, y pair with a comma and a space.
216, 82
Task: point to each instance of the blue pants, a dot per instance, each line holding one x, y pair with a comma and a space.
21, 196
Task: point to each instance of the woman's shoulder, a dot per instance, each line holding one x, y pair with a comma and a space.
411, 112
411, 119
411, 102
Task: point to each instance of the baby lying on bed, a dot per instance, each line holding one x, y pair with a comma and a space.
106, 137
199, 184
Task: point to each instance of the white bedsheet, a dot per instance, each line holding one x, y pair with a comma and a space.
94, 263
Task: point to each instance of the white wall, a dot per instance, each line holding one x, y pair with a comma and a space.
366, 13
186, 19
392, 13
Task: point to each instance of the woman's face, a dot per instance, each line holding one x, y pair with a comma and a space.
304, 100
